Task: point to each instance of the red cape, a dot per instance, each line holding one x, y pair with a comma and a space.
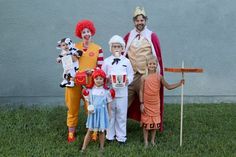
134, 109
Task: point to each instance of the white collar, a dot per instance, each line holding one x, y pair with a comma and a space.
145, 33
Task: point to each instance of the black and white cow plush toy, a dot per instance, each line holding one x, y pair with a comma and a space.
68, 52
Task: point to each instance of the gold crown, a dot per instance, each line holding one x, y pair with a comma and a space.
139, 11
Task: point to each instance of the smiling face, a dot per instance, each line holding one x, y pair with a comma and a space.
86, 34
99, 81
116, 49
64, 46
152, 65
139, 23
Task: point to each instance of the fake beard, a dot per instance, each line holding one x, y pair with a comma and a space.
117, 54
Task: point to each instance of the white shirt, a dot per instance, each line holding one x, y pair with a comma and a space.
123, 66
100, 91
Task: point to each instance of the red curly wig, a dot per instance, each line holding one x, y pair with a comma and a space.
84, 24
96, 73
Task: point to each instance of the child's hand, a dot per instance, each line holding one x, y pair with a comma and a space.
89, 71
90, 112
90, 109
182, 82
108, 81
126, 82
142, 108
76, 55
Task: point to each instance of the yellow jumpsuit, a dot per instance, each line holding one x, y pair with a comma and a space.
91, 58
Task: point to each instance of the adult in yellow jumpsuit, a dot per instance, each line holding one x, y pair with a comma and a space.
92, 57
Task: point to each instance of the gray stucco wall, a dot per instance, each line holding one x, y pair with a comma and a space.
202, 33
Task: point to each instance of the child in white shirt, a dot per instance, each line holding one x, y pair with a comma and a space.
119, 73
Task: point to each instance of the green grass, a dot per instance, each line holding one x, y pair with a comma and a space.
209, 130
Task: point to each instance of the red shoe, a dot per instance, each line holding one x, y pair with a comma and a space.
71, 137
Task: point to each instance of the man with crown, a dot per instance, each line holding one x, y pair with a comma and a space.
140, 44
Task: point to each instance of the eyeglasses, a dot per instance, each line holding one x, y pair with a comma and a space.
116, 46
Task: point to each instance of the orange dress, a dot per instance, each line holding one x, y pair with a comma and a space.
151, 118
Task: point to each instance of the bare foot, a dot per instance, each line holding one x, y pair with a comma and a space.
146, 145
153, 143
82, 151
101, 150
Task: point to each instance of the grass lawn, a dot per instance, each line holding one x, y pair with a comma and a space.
208, 130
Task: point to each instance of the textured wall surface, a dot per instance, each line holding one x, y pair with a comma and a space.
201, 33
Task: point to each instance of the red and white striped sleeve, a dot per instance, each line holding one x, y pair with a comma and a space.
100, 58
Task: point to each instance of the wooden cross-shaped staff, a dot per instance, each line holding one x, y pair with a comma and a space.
183, 70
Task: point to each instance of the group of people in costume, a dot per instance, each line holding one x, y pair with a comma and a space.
128, 83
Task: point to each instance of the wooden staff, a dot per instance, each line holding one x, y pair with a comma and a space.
183, 70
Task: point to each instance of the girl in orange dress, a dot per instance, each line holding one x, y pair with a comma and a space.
150, 99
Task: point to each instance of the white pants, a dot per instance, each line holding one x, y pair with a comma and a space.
118, 120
